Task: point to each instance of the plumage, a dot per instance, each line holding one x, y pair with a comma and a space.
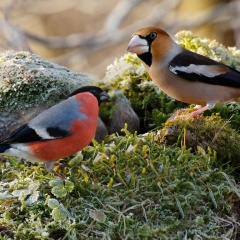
59, 131
195, 67
182, 74
23, 133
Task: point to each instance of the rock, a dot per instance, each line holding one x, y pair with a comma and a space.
122, 113
101, 132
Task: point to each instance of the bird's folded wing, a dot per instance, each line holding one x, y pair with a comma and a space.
195, 67
53, 123
26, 134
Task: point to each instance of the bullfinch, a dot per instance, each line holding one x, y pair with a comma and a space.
182, 74
59, 131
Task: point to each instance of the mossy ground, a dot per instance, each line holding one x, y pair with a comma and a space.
206, 132
131, 187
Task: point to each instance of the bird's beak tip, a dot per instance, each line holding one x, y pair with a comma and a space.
104, 97
129, 48
137, 45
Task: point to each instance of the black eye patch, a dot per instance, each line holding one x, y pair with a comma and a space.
151, 37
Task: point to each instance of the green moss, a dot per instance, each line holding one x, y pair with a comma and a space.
205, 132
209, 48
131, 187
229, 111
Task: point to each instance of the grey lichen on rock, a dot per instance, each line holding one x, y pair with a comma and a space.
30, 84
27, 79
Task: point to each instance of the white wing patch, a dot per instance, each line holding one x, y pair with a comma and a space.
42, 132
206, 70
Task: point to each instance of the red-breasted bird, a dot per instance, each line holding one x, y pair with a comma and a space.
59, 131
182, 74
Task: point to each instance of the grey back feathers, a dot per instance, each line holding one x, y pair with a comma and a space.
53, 123
58, 117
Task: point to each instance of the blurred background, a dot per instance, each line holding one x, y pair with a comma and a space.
87, 35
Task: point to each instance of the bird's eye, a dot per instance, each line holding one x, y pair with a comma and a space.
153, 35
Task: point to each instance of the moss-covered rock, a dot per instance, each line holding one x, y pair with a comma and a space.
27, 80
207, 133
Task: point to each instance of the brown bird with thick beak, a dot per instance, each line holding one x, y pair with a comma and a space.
182, 74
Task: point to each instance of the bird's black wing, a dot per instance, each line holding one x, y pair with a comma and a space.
21, 135
195, 67
26, 134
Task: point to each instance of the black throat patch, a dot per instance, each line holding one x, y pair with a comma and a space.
146, 58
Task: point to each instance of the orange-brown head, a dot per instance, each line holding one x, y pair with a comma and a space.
150, 44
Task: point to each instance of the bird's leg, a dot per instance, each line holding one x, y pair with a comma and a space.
194, 114
181, 113
198, 111
50, 166
201, 110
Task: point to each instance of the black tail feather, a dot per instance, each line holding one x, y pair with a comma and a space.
4, 147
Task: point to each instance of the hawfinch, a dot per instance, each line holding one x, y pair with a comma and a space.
182, 74
59, 131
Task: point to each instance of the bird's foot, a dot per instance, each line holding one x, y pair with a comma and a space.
188, 113
199, 111
50, 165
182, 113
59, 175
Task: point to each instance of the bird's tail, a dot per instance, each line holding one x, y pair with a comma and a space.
4, 147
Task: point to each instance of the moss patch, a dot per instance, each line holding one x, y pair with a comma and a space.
129, 188
207, 133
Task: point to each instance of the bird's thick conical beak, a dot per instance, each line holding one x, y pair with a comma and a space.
138, 45
104, 96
